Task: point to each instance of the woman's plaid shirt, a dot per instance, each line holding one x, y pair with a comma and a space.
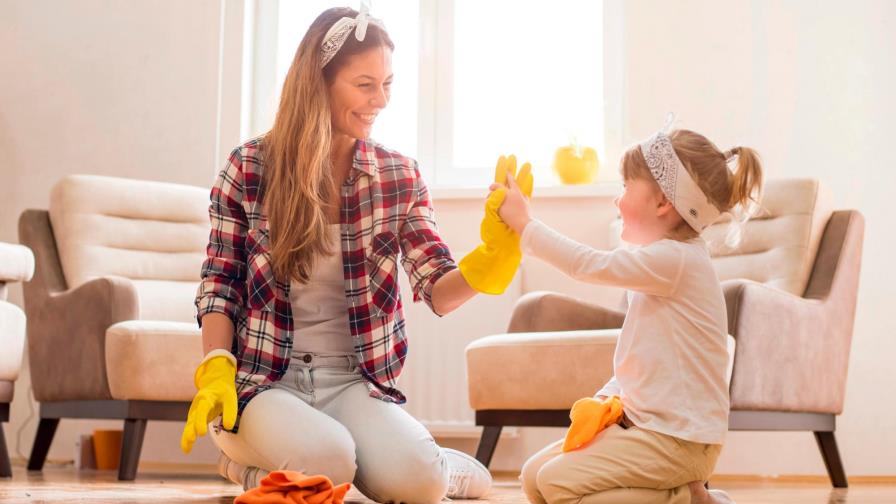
385, 210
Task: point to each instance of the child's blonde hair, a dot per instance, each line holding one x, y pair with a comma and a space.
737, 193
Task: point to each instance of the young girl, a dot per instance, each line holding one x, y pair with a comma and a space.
671, 358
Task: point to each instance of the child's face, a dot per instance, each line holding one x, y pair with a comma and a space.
640, 206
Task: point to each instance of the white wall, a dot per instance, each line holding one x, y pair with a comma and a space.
128, 89
131, 89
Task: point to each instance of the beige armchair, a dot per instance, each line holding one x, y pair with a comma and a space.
790, 288
111, 332
16, 265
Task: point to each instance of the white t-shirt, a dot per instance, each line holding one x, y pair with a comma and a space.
320, 308
671, 358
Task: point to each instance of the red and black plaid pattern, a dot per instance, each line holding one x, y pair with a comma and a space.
385, 213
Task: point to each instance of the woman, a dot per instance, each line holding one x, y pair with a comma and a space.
299, 306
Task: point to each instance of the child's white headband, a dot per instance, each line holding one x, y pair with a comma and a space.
675, 181
338, 33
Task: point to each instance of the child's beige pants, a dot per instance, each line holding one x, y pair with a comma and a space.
622, 465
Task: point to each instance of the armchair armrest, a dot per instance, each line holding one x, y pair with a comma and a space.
16, 263
67, 333
67, 326
542, 311
790, 350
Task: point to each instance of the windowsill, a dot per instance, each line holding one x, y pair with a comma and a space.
596, 190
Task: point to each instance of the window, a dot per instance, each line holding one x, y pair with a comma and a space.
473, 80
527, 79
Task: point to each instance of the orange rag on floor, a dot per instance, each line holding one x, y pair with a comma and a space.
589, 416
292, 487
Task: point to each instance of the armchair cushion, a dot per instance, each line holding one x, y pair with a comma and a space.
538, 370
153, 233
779, 244
152, 360
12, 341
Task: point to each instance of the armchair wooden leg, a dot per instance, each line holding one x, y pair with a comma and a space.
46, 429
487, 444
827, 445
131, 444
5, 465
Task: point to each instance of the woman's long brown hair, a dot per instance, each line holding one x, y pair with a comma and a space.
298, 174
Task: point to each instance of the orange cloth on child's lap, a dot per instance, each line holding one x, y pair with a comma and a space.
589, 416
291, 487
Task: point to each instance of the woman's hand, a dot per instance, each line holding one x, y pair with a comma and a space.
491, 266
215, 379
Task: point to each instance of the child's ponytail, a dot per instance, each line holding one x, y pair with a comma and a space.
737, 193
746, 181
745, 192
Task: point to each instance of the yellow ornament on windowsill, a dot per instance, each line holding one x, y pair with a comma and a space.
576, 164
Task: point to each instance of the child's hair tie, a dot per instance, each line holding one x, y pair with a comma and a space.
731, 153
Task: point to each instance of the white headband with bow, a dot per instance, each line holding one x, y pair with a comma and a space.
338, 33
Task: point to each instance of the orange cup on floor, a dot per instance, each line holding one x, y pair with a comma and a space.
107, 448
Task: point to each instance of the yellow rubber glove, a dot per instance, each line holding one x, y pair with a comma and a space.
490, 267
215, 378
590, 416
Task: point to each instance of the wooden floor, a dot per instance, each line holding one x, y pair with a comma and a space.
201, 486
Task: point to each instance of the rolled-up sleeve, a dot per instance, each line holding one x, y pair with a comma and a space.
223, 274
425, 257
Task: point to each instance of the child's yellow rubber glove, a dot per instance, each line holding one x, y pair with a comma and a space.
590, 416
216, 380
490, 267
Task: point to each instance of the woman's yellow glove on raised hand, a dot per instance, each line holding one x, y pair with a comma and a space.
590, 416
490, 267
215, 378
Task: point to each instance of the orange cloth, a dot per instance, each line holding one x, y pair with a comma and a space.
590, 416
291, 487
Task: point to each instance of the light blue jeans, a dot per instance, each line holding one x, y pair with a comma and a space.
320, 419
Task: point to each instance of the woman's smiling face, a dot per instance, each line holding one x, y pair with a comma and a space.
360, 89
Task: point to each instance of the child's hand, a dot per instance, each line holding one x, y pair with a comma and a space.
514, 211
491, 266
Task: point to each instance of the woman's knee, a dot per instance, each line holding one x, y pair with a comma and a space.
413, 479
282, 432
332, 455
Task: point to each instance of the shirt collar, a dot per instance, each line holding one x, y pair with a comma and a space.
365, 159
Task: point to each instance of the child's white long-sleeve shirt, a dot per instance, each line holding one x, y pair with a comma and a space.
671, 359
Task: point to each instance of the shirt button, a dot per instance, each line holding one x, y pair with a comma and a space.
307, 358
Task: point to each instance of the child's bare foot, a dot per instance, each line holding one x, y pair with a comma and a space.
699, 495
